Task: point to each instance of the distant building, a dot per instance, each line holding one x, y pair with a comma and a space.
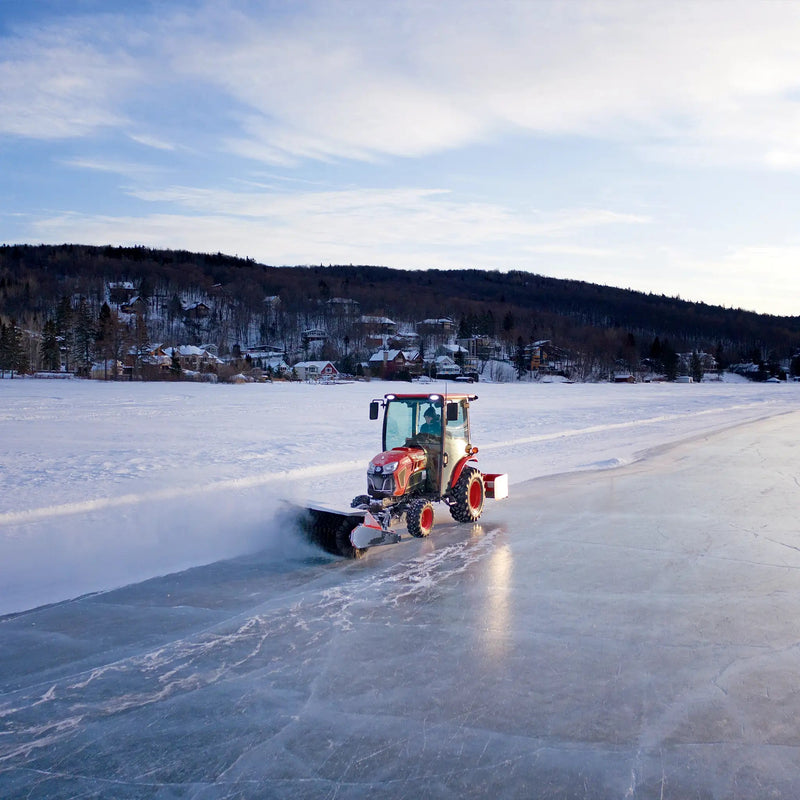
315, 370
446, 367
192, 358
392, 363
196, 311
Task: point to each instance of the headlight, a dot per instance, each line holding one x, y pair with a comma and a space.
390, 467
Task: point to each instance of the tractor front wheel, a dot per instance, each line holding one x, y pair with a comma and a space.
419, 517
468, 496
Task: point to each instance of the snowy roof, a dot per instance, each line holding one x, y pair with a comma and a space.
318, 364
391, 355
381, 320
189, 350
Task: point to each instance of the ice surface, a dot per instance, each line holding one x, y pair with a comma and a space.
601, 634
102, 485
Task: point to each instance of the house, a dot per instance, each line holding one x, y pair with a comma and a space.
375, 329
271, 365
441, 325
390, 364
107, 370
196, 311
193, 359
150, 361
479, 347
135, 305
404, 340
313, 340
315, 370
120, 292
344, 305
446, 367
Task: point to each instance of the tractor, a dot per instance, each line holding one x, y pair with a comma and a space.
427, 457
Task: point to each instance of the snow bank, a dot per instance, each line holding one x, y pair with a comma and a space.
105, 484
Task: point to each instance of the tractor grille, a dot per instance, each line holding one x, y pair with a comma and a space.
380, 485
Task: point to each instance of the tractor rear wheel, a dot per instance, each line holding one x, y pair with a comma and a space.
419, 517
468, 496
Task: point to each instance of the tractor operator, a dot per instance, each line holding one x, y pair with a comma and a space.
432, 424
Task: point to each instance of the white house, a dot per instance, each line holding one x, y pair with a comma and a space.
315, 370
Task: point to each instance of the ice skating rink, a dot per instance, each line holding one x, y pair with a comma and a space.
625, 633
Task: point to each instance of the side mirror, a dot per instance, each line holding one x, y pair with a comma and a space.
452, 412
374, 409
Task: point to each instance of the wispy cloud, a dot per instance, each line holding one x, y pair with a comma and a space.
60, 83
130, 169
326, 80
396, 227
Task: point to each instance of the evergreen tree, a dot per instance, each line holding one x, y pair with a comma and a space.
13, 357
5, 350
670, 360
84, 338
175, 308
111, 340
65, 330
49, 350
175, 368
137, 335
520, 361
696, 367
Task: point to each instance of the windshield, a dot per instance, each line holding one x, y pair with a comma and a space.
406, 419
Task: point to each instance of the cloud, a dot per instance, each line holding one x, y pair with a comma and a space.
407, 227
331, 80
133, 170
58, 83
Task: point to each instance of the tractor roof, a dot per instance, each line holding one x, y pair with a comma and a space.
435, 396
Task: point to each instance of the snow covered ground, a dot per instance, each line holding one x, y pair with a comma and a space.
102, 485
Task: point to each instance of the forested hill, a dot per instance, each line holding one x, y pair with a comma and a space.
511, 306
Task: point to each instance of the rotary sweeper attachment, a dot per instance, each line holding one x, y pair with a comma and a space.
427, 458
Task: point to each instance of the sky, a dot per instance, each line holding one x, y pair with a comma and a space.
646, 145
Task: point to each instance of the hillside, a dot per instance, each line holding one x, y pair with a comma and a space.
248, 304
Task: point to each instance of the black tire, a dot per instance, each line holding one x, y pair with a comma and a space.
343, 543
468, 496
360, 501
419, 517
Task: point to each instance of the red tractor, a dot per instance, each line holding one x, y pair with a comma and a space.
427, 457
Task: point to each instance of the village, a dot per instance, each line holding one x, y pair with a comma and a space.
396, 354
122, 332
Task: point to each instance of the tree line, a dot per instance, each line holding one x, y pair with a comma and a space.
58, 297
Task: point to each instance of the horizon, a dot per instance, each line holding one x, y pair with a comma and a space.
621, 144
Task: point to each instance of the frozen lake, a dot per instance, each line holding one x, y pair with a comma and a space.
103, 485
615, 633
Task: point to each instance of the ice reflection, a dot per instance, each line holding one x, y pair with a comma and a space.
495, 631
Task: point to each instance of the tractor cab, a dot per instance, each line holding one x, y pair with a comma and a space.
425, 441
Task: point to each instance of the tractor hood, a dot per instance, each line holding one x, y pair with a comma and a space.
391, 473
